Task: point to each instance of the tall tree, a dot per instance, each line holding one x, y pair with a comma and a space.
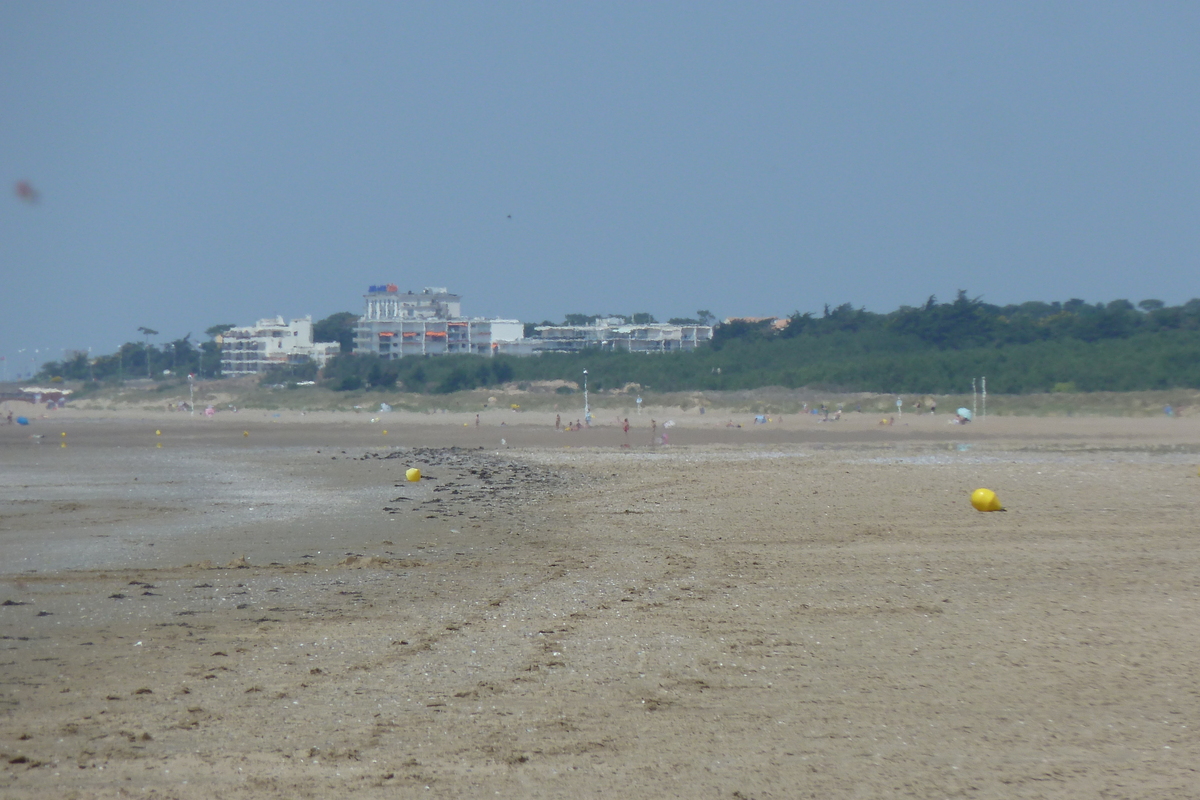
338, 328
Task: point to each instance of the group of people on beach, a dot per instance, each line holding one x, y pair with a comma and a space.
570, 426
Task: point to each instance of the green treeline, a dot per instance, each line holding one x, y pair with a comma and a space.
143, 360
936, 348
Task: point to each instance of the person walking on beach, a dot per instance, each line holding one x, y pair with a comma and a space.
627, 431
557, 422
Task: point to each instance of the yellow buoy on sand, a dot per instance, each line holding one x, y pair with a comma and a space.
413, 474
985, 500
158, 433
245, 433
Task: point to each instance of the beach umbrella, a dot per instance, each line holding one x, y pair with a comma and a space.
965, 413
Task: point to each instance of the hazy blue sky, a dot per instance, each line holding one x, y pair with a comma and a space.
209, 162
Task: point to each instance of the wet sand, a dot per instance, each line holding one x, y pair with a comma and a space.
790, 610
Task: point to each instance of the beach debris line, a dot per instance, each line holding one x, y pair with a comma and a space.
985, 500
469, 482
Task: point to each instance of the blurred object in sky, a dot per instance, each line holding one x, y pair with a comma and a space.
26, 192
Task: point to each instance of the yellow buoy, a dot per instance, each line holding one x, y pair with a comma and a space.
385, 433
64, 444
64, 433
158, 444
413, 474
245, 433
158, 433
985, 500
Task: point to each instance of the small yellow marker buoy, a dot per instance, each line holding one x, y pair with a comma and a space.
158, 433
158, 444
385, 433
245, 433
413, 474
64, 433
64, 444
985, 500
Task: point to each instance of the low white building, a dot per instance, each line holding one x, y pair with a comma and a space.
615, 334
272, 343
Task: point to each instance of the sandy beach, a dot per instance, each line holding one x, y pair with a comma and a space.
261, 606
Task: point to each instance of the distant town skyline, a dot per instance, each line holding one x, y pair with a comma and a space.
175, 166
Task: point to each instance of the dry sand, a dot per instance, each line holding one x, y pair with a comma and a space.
789, 610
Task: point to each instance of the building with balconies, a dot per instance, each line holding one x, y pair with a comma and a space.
271, 343
397, 324
615, 334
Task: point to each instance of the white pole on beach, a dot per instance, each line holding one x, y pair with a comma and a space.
984, 379
587, 413
974, 406
191, 396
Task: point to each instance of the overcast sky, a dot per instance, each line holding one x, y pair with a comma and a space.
202, 163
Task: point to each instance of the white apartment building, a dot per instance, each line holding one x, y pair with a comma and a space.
615, 334
271, 343
397, 324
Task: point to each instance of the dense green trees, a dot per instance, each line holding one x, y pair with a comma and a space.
338, 328
936, 348
139, 359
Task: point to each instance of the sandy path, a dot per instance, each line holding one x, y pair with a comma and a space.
815, 614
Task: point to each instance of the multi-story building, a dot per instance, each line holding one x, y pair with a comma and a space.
396, 324
271, 343
616, 334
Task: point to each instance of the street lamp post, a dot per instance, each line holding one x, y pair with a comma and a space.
587, 412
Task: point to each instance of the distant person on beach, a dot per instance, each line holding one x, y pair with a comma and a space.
933, 406
557, 421
476, 420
